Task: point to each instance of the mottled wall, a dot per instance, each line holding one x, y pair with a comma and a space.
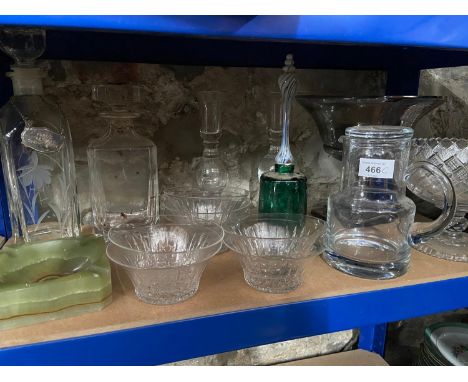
451, 119
170, 117
170, 113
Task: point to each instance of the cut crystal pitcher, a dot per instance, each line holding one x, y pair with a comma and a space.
370, 227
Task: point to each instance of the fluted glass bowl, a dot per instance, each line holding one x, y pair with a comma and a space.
273, 248
165, 261
212, 206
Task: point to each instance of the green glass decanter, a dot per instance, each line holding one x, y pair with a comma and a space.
283, 190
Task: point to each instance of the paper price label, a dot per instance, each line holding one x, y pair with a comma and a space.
376, 168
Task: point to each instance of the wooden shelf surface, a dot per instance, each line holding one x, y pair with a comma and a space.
222, 289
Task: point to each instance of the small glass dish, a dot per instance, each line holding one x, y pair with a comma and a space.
165, 260
273, 248
216, 207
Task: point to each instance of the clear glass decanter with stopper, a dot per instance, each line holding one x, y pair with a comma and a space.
283, 190
370, 227
211, 173
122, 165
37, 152
48, 269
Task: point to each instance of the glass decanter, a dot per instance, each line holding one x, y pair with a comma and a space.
283, 190
48, 270
370, 226
211, 173
122, 165
37, 152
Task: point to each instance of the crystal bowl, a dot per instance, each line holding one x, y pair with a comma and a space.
165, 260
216, 207
273, 248
451, 156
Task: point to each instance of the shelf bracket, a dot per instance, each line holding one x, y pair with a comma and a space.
372, 338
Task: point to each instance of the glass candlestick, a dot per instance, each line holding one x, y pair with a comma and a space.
283, 190
274, 130
122, 164
211, 174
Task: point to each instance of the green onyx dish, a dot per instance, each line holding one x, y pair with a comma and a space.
53, 279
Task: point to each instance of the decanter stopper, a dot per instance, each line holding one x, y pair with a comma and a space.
24, 45
287, 83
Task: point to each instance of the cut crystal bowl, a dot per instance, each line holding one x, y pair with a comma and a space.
272, 248
451, 156
165, 261
212, 206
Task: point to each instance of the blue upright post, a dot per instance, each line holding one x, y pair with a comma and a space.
5, 225
372, 338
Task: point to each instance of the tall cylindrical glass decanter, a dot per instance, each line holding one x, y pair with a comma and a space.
37, 153
48, 270
122, 165
370, 226
211, 173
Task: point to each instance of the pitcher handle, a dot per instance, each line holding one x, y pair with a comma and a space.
422, 232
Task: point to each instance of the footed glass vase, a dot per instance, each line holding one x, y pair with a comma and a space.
332, 115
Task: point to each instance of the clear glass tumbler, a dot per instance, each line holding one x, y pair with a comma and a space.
370, 227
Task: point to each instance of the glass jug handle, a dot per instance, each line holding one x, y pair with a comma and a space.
422, 232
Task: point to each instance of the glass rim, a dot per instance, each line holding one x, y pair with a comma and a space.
379, 132
198, 222
277, 217
189, 193
366, 99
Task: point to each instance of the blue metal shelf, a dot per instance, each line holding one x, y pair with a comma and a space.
377, 304
169, 342
424, 31
401, 45
342, 42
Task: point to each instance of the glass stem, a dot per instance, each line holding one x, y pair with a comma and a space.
288, 86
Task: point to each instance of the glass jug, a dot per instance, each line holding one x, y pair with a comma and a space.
370, 226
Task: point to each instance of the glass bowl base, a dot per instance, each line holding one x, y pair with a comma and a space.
165, 298
367, 270
447, 246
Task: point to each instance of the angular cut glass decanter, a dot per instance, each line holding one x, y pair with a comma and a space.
122, 165
283, 190
37, 151
211, 173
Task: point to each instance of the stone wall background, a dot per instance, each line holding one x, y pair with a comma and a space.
170, 118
